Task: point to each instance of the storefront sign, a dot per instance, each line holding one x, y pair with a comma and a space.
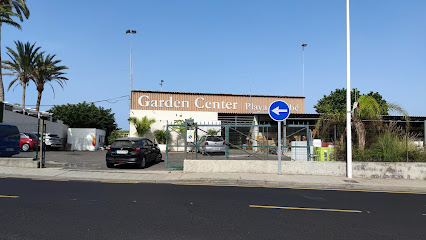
223, 103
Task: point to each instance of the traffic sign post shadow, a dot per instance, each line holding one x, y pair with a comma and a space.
279, 111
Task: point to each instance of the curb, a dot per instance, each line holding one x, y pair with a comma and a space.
236, 183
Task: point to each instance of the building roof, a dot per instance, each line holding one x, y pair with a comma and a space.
217, 94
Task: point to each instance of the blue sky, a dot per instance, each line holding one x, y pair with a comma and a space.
227, 46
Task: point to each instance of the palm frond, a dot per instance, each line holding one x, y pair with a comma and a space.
368, 108
393, 107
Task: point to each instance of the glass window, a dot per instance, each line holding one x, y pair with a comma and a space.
124, 144
9, 131
214, 139
31, 135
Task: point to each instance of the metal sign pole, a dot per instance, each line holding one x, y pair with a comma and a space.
186, 140
279, 111
279, 147
40, 153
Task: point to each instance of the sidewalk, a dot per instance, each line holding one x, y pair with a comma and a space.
232, 179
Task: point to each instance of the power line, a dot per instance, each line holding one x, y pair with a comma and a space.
109, 100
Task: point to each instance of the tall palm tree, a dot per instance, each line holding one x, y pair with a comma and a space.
22, 65
142, 125
46, 71
9, 10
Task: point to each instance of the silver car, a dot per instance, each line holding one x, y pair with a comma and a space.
211, 144
52, 141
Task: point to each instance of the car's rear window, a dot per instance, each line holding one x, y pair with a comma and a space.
9, 131
214, 139
31, 135
124, 143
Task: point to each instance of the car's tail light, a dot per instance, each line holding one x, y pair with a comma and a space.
109, 148
206, 143
137, 149
224, 143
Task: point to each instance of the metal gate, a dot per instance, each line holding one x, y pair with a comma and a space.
241, 142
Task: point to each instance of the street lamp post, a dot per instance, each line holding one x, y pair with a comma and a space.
348, 96
303, 65
131, 32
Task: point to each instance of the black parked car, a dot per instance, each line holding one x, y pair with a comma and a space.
130, 150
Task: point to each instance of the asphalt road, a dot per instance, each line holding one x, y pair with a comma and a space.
32, 209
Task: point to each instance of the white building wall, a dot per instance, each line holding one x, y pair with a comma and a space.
81, 139
164, 117
100, 138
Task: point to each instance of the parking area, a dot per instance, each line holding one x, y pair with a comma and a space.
87, 160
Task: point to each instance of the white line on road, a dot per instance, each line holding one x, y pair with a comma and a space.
8, 196
307, 209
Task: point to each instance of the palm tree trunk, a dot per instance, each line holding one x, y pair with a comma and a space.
24, 86
38, 100
1, 74
360, 130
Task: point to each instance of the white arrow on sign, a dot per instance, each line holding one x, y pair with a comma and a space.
277, 110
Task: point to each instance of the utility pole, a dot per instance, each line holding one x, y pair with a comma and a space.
131, 32
303, 65
348, 96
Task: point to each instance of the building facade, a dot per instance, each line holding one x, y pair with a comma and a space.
168, 107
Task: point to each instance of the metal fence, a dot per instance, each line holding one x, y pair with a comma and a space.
240, 142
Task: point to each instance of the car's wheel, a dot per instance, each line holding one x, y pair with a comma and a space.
25, 147
110, 165
142, 163
158, 158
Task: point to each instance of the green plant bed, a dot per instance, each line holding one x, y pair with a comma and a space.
383, 151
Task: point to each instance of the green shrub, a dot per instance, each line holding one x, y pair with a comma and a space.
211, 132
116, 134
161, 136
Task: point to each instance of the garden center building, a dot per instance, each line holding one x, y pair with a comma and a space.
207, 108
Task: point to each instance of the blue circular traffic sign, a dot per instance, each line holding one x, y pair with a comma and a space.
279, 110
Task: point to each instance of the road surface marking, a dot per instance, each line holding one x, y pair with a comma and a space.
50, 179
5, 196
307, 209
297, 188
117, 181
216, 185
350, 190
